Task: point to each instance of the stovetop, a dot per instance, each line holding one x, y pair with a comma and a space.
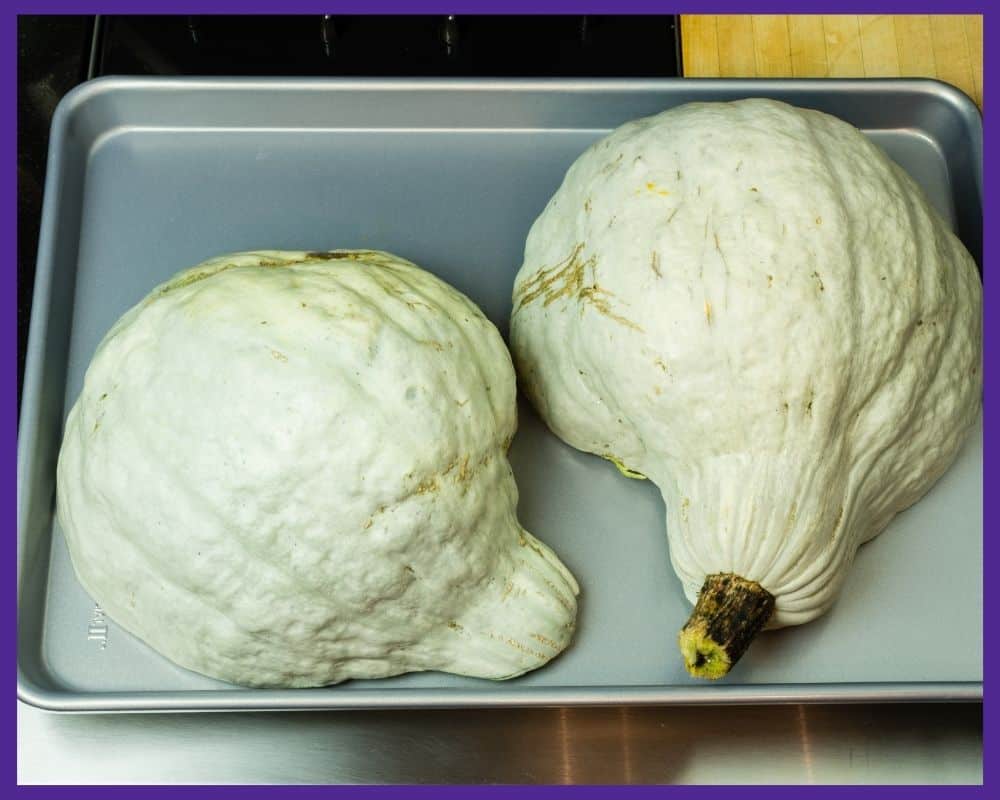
52, 57
55, 53
398, 45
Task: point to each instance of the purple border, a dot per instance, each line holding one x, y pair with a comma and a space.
991, 23
433, 792
9, 24
8, 179
494, 7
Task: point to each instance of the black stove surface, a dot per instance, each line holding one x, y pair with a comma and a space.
52, 57
399, 46
56, 53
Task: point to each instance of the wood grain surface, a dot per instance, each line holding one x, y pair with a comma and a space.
947, 47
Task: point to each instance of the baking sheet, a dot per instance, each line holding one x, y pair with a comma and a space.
147, 176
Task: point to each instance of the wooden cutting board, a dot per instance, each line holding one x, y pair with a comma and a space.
947, 47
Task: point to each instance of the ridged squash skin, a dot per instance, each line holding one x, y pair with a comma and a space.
289, 469
751, 305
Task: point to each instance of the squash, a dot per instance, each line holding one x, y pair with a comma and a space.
751, 305
289, 469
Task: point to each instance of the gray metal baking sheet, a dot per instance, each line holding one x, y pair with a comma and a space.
148, 176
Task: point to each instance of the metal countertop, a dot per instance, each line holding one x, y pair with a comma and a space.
681, 745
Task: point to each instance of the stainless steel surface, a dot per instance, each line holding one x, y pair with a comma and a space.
149, 176
912, 744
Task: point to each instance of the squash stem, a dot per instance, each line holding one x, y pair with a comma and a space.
729, 613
